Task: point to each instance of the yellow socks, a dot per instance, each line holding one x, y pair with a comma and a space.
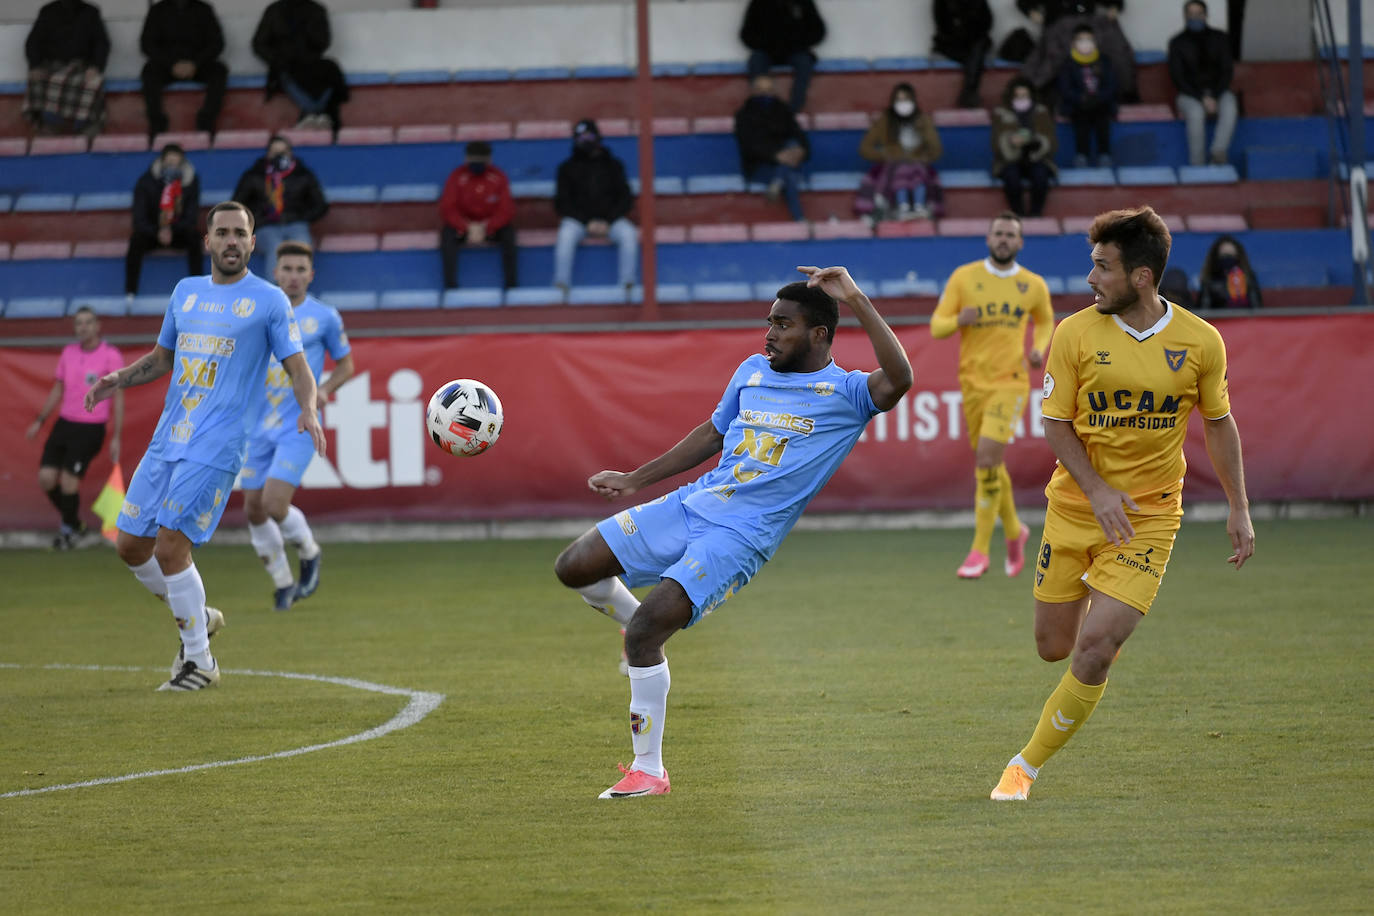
1065, 712
987, 500
1011, 523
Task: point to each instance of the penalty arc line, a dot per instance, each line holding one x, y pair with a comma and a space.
420, 704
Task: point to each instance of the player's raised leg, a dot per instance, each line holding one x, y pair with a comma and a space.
588, 566
1093, 629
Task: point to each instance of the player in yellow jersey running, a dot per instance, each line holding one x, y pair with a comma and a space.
989, 302
1122, 378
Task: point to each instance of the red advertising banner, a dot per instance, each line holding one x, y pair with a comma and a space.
576, 403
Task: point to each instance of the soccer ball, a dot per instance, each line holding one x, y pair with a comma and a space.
464, 417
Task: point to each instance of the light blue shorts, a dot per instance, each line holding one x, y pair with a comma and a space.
181, 495
662, 540
283, 456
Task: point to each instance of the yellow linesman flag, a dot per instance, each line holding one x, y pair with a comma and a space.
109, 502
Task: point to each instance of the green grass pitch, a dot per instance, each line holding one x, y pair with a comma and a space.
832, 734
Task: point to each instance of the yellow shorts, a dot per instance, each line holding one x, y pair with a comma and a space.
993, 413
1075, 555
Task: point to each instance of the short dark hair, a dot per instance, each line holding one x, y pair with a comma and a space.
87, 309
1188, 3
291, 246
817, 308
225, 205
477, 148
1084, 27
1010, 216
1142, 236
172, 148
275, 137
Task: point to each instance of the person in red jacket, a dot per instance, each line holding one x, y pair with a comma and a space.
476, 206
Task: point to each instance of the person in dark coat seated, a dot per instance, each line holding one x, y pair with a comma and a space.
593, 198
166, 214
285, 198
182, 41
772, 145
291, 39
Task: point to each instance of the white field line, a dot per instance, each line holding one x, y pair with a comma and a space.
420, 704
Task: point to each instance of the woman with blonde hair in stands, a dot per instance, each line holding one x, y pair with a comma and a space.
903, 146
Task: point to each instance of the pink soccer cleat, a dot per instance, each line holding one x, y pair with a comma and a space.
975, 564
637, 783
1016, 552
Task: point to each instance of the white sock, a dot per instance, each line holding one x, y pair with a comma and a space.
268, 543
1020, 761
186, 596
648, 708
150, 575
612, 598
297, 530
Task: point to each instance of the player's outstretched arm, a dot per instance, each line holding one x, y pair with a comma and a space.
151, 366
1223, 448
698, 445
1108, 503
303, 384
893, 377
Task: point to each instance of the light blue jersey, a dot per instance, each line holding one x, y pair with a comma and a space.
785, 435
322, 331
222, 336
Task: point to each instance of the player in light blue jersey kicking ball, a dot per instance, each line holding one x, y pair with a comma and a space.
216, 338
788, 417
278, 453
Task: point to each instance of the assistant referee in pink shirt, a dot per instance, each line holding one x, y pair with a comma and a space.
77, 436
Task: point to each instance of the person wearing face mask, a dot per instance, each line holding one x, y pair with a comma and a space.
1024, 142
1201, 67
1059, 21
593, 197
476, 206
1227, 281
166, 214
772, 145
67, 49
1088, 95
284, 197
903, 145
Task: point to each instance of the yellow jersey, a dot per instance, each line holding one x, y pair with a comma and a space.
1128, 394
992, 349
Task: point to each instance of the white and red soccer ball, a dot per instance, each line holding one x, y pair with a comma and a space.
464, 417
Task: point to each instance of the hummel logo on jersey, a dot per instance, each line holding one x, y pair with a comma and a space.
1104, 358
1061, 721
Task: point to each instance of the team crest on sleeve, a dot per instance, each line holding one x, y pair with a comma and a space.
1048, 388
243, 307
1175, 358
295, 332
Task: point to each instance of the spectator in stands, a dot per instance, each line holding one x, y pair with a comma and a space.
476, 206
1087, 97
593, 198
182, 41
903, 145
1062, 18
772, 145
166, 214
1201, 68
1227, 281
291, 39
1173, 286
781, 33
1024, 142
963, 34
67, 49
284, 196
